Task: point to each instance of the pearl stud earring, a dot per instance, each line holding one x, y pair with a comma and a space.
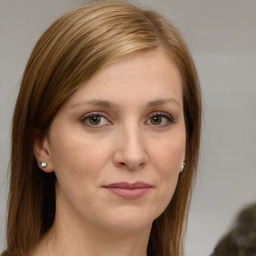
182, 167
43, 164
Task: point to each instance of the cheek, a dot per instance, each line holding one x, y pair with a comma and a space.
78, 156
167, 157
168, 154
78, 163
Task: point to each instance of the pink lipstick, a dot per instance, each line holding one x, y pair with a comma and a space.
129, 190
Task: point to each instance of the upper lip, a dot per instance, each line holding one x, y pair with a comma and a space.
127, 185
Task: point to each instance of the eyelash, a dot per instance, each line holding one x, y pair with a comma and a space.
84, 119
92, 114
169, 118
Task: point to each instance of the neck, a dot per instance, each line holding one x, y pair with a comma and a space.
69, 239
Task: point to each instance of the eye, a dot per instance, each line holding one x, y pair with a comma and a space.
160, 119
95, 119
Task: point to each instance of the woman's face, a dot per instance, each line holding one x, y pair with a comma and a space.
117, 145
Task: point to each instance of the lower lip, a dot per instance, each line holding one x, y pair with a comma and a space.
129, 193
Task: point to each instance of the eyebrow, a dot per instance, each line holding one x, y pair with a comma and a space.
108, 104
162, 102
102, 103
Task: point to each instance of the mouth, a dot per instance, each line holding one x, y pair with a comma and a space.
129, 190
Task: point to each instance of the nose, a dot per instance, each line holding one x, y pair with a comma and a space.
130, 150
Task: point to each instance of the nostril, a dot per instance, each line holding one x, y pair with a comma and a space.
130, 166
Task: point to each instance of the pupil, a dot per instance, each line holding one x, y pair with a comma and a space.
156, 120
95, 120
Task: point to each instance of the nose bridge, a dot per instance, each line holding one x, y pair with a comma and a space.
133, 140
131, 150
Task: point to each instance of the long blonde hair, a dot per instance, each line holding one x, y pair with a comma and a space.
70, 52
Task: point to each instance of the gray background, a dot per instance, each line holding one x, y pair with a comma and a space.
222, 37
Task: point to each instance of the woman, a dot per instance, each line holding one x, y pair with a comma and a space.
108, 115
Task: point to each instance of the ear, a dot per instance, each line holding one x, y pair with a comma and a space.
41, 149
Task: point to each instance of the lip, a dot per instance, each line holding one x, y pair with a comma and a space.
129, 190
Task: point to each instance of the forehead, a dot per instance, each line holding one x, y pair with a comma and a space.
139, 76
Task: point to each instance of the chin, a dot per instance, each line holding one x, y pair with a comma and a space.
130, 220
127, 227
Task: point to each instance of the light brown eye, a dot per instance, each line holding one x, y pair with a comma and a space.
156, 120
94, 120
160, 120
